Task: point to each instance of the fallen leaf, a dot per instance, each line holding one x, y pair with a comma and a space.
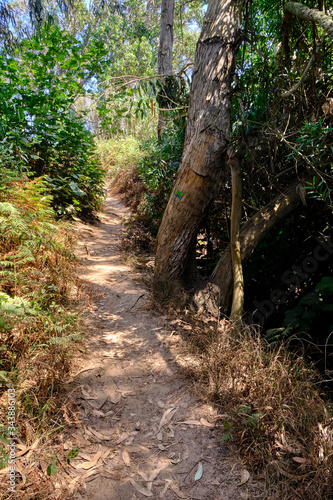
90, 473
292, 476
140, 489
122, 437
166, 487
84, 456
32, 448
100, 413
23, 450
90, 367
92, 463
245, 476
178, 492
68, 446
99, 435
86, 394
205, 423
172, 432
81, 478
167, 417
301, 460
144, 476
190, 422
126, 458
115, 398
185, 454
198, 474
106, 454
20, 471
97, 403
154, 475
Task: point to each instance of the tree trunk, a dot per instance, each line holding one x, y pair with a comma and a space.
312, 15
235, 245
165, 50
219, 289
206, 142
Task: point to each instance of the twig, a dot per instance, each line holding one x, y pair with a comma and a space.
305, 72
136, 301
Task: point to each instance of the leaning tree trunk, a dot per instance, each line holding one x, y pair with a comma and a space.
165, 50
219, 289
206, 142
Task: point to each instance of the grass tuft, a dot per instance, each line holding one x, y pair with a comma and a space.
273, 408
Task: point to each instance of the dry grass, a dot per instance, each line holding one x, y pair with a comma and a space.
272, 406
38, 331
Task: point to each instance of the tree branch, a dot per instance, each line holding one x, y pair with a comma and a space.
305, 72
312, 15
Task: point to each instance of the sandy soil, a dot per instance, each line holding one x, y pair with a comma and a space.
144, 430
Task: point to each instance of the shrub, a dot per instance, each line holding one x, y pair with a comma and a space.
40, 131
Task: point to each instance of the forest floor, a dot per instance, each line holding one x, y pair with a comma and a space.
143, 430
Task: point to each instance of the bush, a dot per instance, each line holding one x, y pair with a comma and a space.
158, 170
40, 132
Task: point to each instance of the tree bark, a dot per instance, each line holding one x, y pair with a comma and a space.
312, 15
165, 50
219, 289
206, 142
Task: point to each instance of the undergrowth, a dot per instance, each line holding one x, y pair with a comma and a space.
271, 406
38, 324
143, 173
116, 155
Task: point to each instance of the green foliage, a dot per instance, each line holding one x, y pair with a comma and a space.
276, 336
172, 93
318, 190
72, 454
311, 307
52, 468
159, 168
117, 155
40, 131
314, 144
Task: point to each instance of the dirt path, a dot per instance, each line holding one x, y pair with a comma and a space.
143, 427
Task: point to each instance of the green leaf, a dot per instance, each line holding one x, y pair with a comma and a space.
72, 454
52, 469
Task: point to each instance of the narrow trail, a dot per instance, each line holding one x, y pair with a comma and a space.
144, 431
